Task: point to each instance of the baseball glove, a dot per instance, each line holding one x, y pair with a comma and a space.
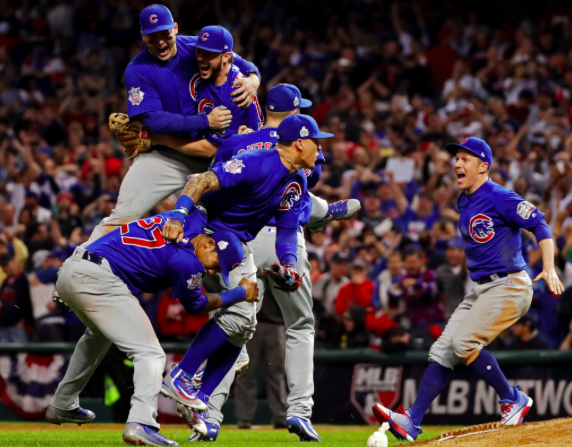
133, 135
288, 279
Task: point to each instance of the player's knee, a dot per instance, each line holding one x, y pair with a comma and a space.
464, 349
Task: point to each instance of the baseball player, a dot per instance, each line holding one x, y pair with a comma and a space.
491, 223
158, 94
241, 195
283, 100
98, 285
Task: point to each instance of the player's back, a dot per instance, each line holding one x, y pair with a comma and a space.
138, 254
264, 138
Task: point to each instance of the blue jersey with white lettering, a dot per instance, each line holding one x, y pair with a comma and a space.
153, 84
256, 186
491, 224
265, 138
207, 96
138, 254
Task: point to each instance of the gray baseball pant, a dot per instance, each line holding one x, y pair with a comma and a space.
486, 312
111, 314
299, 321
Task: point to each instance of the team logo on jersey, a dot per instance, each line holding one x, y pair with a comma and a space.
525, 209
135, 96
291, 194
222, 245
234, 166
193, 85
481, 228
195, 281
153, 18
205, 36
206, 105
304, 132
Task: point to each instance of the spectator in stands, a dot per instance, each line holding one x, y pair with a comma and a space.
354, 333
357, 292
567, 342
398, 340
418, 290
527, 336
385, 281
452, 277
15, 305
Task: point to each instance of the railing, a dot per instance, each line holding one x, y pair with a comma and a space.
323, 356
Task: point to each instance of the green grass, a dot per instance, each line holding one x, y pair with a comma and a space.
39, 434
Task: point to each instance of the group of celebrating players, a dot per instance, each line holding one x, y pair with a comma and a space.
194, 122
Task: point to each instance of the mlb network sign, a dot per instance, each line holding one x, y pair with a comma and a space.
467, 399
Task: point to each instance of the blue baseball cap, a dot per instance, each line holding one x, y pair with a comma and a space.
230, 252
155, 18
475, 145
300, 127
284, 98
215, 38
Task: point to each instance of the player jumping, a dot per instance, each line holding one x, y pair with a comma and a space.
491, 223
99, 286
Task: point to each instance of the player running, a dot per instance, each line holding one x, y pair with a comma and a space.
491, 223
158, 94
99, 284
283, 100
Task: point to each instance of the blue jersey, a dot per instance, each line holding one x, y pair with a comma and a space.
266, 138
153, 84
207, 96
491, 224
138, 254
255, 187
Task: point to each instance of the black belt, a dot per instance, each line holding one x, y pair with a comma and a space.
92, 257
490, 278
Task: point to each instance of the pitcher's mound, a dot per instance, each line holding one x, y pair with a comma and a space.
556, 432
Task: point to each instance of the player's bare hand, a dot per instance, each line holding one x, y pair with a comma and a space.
173, 231
244, 129
219, 118
247, 91
551, 278
251, 290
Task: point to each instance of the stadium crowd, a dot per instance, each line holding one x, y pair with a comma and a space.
394, 81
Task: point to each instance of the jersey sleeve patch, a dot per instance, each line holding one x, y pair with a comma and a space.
525, 209
194, 281
135, 96
234, 166
291, 194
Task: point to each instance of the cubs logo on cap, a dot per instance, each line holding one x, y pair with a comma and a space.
215, 39
481, 228
478, 147
155, 18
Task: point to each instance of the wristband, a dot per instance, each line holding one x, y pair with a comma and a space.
182, 208
233, 296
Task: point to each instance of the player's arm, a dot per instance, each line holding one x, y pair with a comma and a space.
248, 86
196, 303
522, 214
198, 148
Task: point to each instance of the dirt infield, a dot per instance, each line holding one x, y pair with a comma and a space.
557, 432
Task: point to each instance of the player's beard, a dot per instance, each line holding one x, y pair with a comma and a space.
215, 70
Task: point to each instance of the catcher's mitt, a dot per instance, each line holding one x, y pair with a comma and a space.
288, 279
133, 135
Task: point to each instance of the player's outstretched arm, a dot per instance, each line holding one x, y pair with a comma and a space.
247, 91
192, 193
548, 273
246, 291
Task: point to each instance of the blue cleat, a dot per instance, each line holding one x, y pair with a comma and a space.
400, 423
139, 434
342, 210
195, 420
76, 416
212, 434
178, 385
513, 412
303, 428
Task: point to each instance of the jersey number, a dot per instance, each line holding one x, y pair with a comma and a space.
156, 242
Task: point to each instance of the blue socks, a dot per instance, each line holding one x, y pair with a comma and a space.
433, 383
488, 368
208, 341
218, 365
